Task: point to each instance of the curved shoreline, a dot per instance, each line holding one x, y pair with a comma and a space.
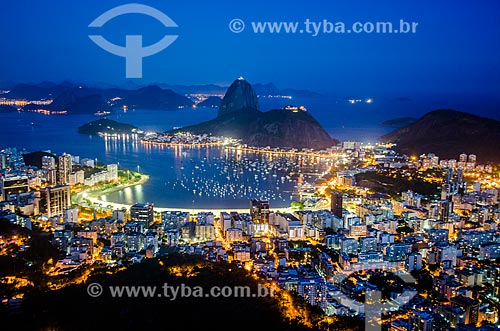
94, 194
95, 197
189, 210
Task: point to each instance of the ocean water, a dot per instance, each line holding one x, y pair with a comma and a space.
184, 178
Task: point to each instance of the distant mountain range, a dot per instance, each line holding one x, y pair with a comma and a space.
81, 99
239, 117
270, 89
210, 102
76, 98
448, 133
261, 90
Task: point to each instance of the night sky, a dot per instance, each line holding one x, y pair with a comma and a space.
456, 48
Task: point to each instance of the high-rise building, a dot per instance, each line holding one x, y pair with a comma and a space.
336, 204
142, 212
462, 157
445, 210
313, 290
49, 169
351, 145
259, 210
438, 236
446, 253
76, 177
64, 167
421, 321
368, 244
54, 200
3, 161
349, 246
413, 262
48, 162
460, 176
445, 191
495, 273
112, 172
398, 251
470, 306
412, 199
12, 186
449, 175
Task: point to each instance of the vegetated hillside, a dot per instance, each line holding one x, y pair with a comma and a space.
275, 128
448, 133
105, 125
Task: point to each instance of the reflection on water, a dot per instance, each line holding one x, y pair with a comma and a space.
205, 177
180, 176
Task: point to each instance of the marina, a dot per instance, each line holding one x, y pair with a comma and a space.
229, 177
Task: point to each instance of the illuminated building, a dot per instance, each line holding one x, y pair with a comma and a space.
398, 251
336, 204
349, 246
313, 290
368, 244
438, 235
49, 169
421, 321
453, 315
413, 262
445, 210
135, 242
13, 186
112, 172
3, 161
64, 167
225, 221
489, 251
259, 209
233, 234
142, 212
54, 200
289, 225
77, 177
470, 306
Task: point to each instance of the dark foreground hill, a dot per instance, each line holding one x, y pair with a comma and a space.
35, 158
448, 133
72, 308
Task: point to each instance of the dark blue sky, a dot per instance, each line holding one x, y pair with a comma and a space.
456, 48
